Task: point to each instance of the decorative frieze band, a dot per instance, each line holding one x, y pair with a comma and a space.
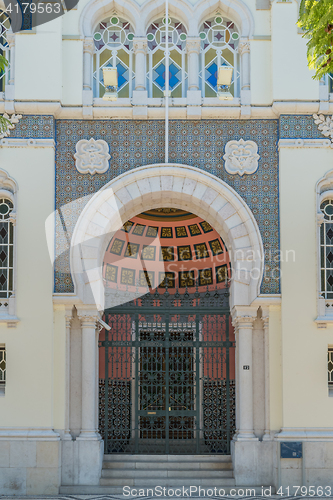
26, 143
305, 143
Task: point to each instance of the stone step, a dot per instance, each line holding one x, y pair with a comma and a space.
167, 481
166, 458
152, 464
160, 473
118, 490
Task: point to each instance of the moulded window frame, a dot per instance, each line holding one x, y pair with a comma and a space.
8, 189
324, 315
3, 384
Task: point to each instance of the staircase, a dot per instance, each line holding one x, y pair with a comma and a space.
171, 471
148, 471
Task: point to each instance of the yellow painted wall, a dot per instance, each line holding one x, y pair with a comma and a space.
304, 347
275, 368
72, 71
291, 78
38, 67
28, 400
261, 72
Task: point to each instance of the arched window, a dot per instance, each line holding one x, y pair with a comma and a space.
326, 249
219, 43
156, 58
114, 48
4, 47
6, 248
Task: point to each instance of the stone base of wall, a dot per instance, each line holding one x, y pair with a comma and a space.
254, 462
30, 467
81, 461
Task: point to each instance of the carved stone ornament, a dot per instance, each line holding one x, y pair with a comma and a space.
92, 157
325, 125
241, 157
13, 119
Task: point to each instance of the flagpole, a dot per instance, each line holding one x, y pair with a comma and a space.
166, 81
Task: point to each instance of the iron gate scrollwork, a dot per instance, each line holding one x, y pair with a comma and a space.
169, 383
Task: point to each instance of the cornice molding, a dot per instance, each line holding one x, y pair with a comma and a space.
305, 143
27, 143
304, 434
28, 433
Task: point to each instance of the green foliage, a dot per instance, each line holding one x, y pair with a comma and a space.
316, 19
3, 63
4, 122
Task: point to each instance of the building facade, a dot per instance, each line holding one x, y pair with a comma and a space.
92, 217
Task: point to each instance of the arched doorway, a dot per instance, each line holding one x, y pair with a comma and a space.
167, 364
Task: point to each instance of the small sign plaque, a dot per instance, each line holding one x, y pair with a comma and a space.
246, 367
291, 449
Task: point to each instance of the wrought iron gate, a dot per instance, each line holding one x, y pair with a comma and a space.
168, 383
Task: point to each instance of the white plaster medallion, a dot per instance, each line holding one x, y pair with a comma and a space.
12, 120
325, 125
92, 157
241, 157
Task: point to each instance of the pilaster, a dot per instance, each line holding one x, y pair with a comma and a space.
242, 320
88, 319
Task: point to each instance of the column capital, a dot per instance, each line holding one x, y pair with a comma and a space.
193, 44
88, 317
320, 218
243, 317
243, 46
242, 321
10, 39
140, 44
88, 45
68, 316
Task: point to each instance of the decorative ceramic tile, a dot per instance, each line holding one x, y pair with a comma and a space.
152, 232
221, 273
139, 229
186, 278
132, 250
216, 247
127, 276
147, 278
111, 273
117, 246
201, 251
166, 232
197, 143
298, 126
205, 277
34, 127
127, 226
170, 277
206, 227
181, 232
184, 253
148, 252
194, 229
167, 254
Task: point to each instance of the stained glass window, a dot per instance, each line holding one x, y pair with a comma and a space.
4, 47
6, 249
219, 44
326, 249
114, 48
156, 34
2, 366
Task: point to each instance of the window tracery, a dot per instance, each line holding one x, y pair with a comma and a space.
177, 35
326, 250
113, 39
219, 47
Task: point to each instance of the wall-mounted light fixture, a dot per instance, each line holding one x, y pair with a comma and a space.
110, 78
224, 78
